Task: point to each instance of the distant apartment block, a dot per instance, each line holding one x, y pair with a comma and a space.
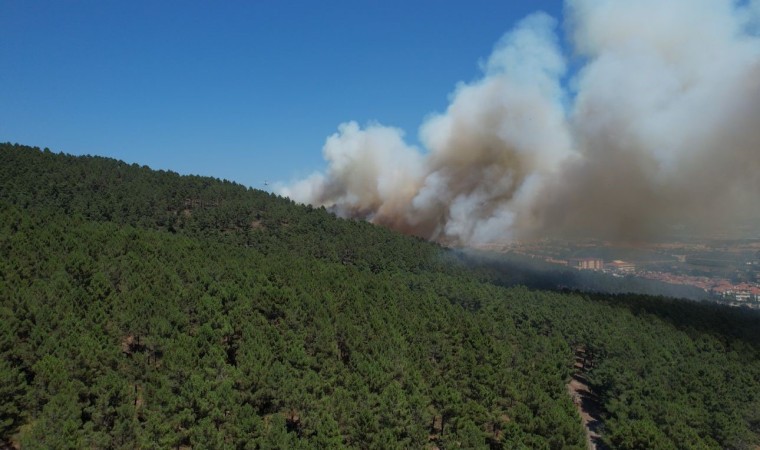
586, 263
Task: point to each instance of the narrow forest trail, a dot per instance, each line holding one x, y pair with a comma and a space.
587, 404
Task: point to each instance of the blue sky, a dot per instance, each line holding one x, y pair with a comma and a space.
246, 91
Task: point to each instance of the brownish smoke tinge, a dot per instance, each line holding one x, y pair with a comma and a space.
661, 128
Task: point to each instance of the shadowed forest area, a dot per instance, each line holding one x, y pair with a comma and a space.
144, 309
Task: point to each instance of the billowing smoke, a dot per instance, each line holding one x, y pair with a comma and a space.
659, 127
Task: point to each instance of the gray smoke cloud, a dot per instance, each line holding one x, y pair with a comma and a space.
659, 127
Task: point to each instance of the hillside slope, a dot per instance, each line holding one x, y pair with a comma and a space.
143, 309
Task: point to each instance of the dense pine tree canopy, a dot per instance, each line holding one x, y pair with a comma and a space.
144, 309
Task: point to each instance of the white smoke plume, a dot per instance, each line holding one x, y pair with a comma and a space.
661, 127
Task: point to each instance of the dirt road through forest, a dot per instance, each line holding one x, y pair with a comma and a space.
587, 404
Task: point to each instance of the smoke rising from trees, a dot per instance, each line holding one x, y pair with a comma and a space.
659, 127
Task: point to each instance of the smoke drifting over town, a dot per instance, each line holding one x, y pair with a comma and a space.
659, 127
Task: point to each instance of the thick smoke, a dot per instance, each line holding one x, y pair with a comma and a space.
660, 127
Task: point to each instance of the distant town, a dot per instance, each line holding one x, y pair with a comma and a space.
727, 270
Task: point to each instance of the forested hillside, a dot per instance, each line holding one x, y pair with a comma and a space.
143, 309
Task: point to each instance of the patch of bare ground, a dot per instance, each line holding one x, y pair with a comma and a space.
10, 445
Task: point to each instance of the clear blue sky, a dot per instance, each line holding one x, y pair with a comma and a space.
246, 91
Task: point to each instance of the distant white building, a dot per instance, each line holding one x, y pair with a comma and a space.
621, 266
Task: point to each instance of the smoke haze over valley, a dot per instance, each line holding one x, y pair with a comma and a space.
656, 127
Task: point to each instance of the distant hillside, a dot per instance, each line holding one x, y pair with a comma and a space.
143, 309
511, 269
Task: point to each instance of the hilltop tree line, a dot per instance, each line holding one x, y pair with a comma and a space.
143, 309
